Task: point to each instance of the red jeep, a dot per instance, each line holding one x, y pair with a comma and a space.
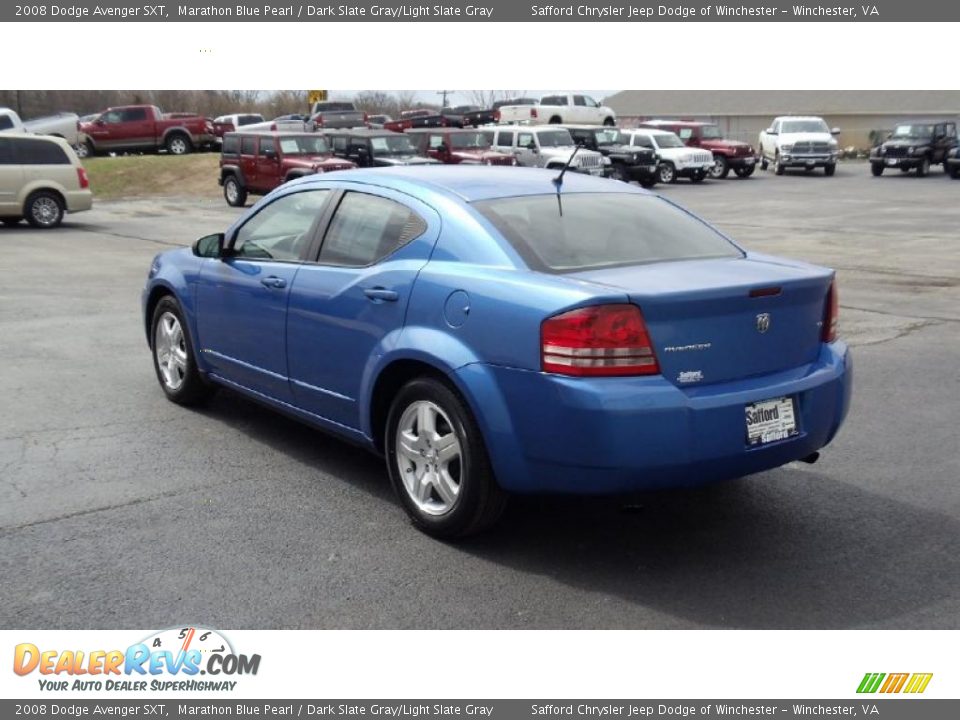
727, 154
454, 146
254, 163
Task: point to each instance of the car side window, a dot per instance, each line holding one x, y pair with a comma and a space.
248, 146
367, 228
642, 141
340, 143
265, 145
579, 100
134, 115
951, 130
436, 141
524, 139
6, 156
6, 122
281, 230
490, 137
590, 101
38, 152
685, 133
231, 145
114, 116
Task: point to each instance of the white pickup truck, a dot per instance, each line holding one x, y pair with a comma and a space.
64, 125
799, 142
559, 110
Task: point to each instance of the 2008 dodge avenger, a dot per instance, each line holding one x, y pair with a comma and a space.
503, 330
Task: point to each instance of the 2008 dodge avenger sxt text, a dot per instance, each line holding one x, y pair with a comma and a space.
490, 330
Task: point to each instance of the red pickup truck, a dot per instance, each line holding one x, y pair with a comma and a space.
144, 127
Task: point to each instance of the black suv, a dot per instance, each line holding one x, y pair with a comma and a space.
952, 163
376, 148
626, 162
915, 145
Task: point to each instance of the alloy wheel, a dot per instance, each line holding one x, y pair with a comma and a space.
429, 458
170, 347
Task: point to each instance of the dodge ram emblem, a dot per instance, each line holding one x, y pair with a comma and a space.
763, 322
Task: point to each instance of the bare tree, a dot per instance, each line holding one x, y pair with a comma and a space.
486, 98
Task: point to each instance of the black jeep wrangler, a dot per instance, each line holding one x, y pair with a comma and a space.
626, 162
915, 145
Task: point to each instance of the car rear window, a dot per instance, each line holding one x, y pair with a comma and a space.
28, 151
6, 122
597, 230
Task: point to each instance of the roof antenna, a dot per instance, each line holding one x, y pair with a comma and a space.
558, 180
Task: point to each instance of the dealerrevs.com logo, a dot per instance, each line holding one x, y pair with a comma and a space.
910, 683
172, 659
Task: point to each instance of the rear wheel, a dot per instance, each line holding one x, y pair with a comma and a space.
438, 463
763, 163
923, 169
609, 122
83, 149
555, 120
44, 209
178, 144
666, 173
721, 167
876, 169
173, 357
830, 170
233, 192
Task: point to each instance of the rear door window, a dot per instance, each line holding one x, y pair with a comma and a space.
6, 154
231, 145
367, 228
6, 122
248, 146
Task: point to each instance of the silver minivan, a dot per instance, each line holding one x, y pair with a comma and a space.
41, 179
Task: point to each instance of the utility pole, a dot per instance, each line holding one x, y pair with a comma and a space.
444, 93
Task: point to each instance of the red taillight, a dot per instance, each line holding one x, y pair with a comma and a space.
496, 116
82, 177
598, 340
273, 127
831, 314
533, 112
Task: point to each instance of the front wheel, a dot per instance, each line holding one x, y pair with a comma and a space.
438, 463
44, 209
720, 169
830, 170
745, 171
667, 173
173, 358
698, 176
923, 169
778, 167
955, 172
876, 169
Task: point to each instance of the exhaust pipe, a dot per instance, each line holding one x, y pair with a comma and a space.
811, 458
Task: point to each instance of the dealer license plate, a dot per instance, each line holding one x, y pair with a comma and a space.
770, 420
892, 162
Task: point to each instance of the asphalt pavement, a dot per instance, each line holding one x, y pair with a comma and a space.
119, 509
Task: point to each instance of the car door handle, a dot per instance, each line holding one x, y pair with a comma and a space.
274, 282
379, 294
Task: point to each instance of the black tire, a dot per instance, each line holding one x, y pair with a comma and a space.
778, 167
763, 163
720, 169
876, 169
193, 388
233, 192
923, 169
666, 173
84, 149
479, 501
955, 172
745, 171
556, 120
609, 122
44, 209
830, 170
10, 221
648, 183
178, 144
698, 176
618, 172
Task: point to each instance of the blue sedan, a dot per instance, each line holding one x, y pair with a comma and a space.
492, 331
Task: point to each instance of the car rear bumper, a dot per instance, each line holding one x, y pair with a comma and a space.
549, 433
79, 200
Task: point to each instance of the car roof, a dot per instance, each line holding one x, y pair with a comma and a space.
678, 123
421, 131
359, 132
273, 133
649, 131
570, 126
472, 183
22, 137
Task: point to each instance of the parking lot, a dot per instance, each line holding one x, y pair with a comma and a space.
119, 509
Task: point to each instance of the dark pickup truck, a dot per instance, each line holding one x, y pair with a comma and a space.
144, 127
376, 148
254, 163
334, 114
491, 115
626, 162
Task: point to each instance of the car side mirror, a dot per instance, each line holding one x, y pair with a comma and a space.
209, 246
771, 131
99, 122
531, 146
834, 131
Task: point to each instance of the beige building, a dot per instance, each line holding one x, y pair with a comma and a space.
742, 114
